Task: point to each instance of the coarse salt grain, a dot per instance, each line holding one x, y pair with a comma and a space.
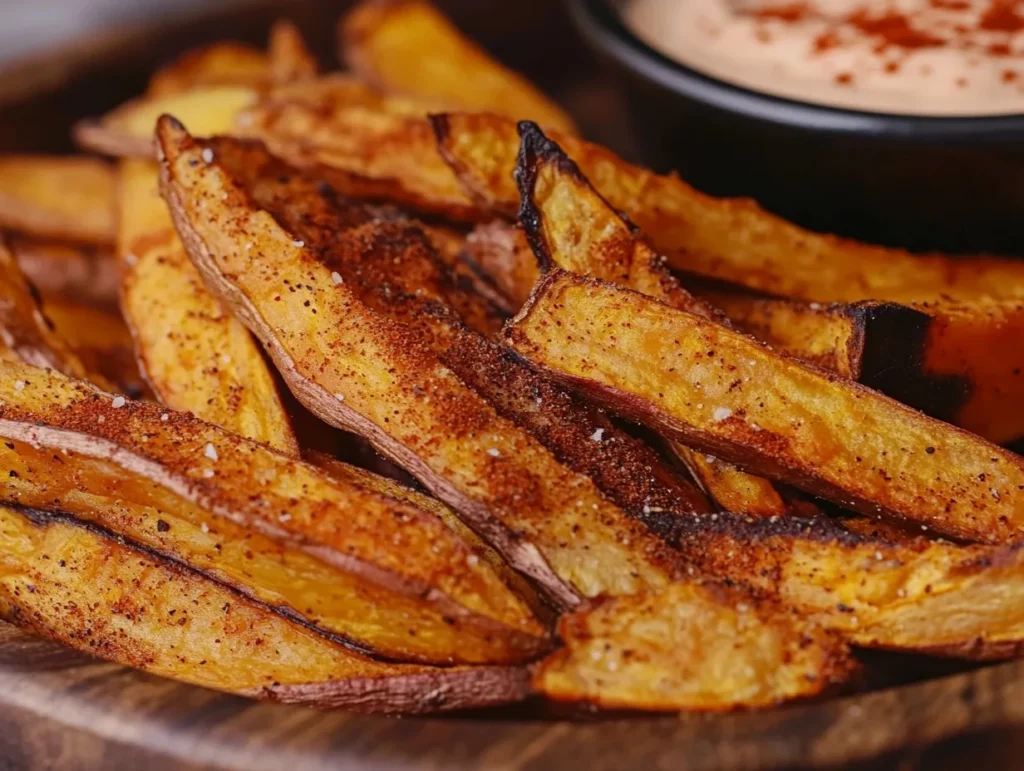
596, 436
207, 473
336, 278
130, 259
19, 385
298, 242
208, 155
340, 397
210, 451
472, 560
118, 402
995, 493
721, 413
101, 419
165, 417
204, 527
285, 518
494, 452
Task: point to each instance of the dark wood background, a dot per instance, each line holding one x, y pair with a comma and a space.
60, 710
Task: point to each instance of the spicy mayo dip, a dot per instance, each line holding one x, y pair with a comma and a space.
909, 57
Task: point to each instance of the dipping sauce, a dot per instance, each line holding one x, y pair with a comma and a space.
910, 57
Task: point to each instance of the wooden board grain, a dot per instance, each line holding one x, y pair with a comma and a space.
61, 710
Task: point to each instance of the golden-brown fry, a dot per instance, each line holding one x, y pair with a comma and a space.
385, 260
678, 650
360, 370
26, 335
221, 64
955, 360
84, 274
197, 357
407, 47
346, 557
704, 384
290, 59
160, 617
64, 197
729, 240
571, 227
905, 594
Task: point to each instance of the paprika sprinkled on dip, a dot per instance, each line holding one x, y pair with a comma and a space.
908, 57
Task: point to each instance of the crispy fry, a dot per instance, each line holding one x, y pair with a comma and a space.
728, 240
290, 59
957, 361
570, 226
725, 393
63, 197
221, 64
392, 390
906, 594
677, 649
356, 562
26, 335
157, 616
409, 48
196, 357
86, 274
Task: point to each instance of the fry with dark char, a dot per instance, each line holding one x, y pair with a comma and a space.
343, 556
955, 360
570, 226
911, 594
359, 370
677, 649
83, 273
195, 355
407, 47
63, 197
157, 616
388, 263
729, 240
701, 383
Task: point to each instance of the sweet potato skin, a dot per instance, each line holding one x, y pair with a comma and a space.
82, 273
409, 48
394, 392
164, 479
694, 647
67, 198
195, 355
153, 615
767, 413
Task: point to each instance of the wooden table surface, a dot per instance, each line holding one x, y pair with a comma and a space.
61, 710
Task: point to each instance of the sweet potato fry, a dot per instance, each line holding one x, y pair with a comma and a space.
160, 617
701, 383
64, 197
197, 357
85, 274
570, 226
360, 370
678, 650
290, 59
728, 240
500, 254
26, 335
345, 557
956, 361
221, 64
908, 594
387, 262
407, 47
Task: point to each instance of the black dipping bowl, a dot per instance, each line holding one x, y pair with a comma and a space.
947, 184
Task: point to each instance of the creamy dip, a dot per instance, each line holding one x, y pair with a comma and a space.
913, 57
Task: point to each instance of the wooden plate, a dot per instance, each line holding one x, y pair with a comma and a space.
59, 709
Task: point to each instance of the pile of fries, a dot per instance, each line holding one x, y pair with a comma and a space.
350, 390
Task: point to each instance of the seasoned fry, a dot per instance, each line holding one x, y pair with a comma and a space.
63, 197
409, 48
352, 560
957, 361
387, 262
196, 357
677, 650
570, 226
359, 370
86, 274
729, 240
718, 390
26, 335
908, 594
153, 615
